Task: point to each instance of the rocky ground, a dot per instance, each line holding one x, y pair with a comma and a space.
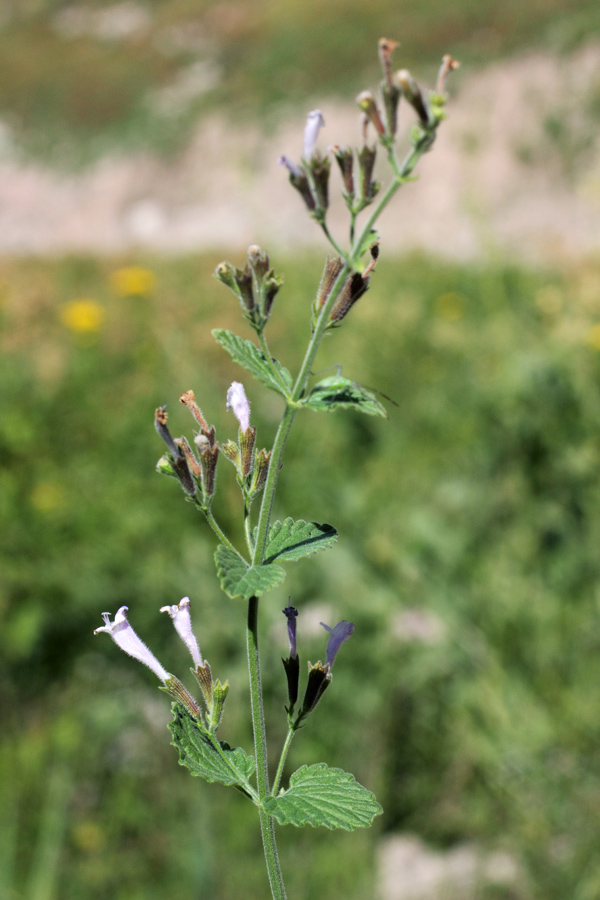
516, 170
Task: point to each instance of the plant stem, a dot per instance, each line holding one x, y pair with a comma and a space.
219, 533
260, 749
401, 172
282, 759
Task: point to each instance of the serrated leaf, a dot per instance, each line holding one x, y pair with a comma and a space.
291, 539
248, 355
200, 756
238, 579
336, 391
320, 795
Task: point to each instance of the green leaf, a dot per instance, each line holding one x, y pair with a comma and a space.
198, 752
318, 795
247, 354
238, 579
337, 391
290, 540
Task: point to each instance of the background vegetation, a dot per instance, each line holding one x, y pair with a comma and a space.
468, 562
468, 698
80, 79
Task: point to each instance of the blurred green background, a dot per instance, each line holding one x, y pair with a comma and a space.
469, 697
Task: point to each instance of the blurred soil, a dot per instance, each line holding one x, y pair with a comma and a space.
516, 170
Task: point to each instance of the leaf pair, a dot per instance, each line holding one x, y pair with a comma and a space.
287, 541
317, 795
329, 394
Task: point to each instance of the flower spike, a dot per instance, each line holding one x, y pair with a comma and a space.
182, 621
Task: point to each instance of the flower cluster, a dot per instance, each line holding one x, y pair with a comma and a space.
319, 674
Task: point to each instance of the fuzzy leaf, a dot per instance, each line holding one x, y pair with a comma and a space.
337, 391
238, 579
197, 752
247, 354
319, 795
290, 540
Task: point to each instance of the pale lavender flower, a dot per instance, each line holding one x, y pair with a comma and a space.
290, 166
338, 634
314, 122
239, 403
125, 637
183, 626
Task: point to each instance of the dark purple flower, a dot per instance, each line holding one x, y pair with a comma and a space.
291, 613
338, 634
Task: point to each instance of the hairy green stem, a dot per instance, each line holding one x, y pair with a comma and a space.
282, 759
401, 172
260, 749
219, 533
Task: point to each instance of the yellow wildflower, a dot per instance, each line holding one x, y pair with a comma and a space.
82, 315
47, 496
592, 337
450, 306
132, 281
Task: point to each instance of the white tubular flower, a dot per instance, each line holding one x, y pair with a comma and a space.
183, 626
125, 637
314, 122
239, 403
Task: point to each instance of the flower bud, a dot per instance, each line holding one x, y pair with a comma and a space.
258, 261
190, 458
271, 287
299, 180
386, 47
232, 452
356, 285
366, 163
239, 281
261, 470
368, 104
319, 679
219, 695
247, 442
208, 461
332, 269
320, 167
160, 423
448, 65
389, 90
413, 93
345, 160
164, 466
188, 400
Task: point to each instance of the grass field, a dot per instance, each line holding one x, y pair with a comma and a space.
80, 80
468, 698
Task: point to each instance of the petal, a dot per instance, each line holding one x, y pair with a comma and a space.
125, 637
314, 121
340, 633
182, 621
239, 403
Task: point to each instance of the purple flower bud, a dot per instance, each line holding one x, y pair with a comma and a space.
340, 633
291, 614
239, 403
125, 637
183, 626
314, 122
